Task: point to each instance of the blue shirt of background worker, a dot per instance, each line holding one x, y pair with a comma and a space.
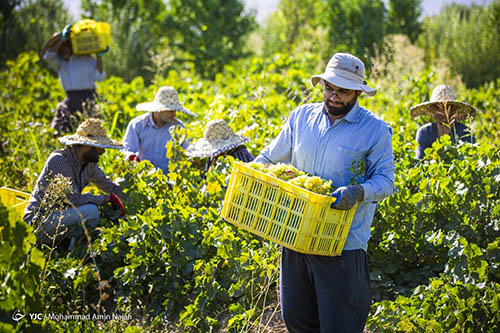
78, 75
340, 141
147, 135
447, 113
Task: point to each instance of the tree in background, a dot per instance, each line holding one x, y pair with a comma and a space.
204, 34
213, 32
356, 27
26, 25
469, 37
402, 18
327, 26
135, 30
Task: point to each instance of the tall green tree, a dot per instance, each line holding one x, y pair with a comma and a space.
295, 27
327, 26
469, 37
27, 24
356, 26
135, 30
402, 17
213, 32
203, 34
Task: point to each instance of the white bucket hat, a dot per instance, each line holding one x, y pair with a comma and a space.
345, 71
166, 99
444, 97
91, 133
218, 138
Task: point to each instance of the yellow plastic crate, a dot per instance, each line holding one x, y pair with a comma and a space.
14, 199
285, 213
89, 36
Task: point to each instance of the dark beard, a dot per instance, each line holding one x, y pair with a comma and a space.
91, 156
340, 110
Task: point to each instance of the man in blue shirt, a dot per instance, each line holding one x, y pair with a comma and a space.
343, 142
147, 135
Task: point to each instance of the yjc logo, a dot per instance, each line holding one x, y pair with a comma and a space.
16, 316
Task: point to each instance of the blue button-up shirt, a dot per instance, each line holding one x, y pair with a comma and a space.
148, 141
427, 134
77, 73
359, 141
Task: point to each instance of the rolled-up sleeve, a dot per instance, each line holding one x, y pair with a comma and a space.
99, 178
53, 60
131, 140
98, 76
380, 168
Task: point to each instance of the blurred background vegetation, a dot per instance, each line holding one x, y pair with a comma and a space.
152, 37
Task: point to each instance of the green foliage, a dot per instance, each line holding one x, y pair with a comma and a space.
174, 265
304, 26
295, 24
453, 189
469, 37
27, 24
20, 268
151, 38
135, 31
212, 32
403, 17
350, 31
25, 115
441, 306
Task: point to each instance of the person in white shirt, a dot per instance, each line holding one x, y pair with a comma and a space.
147, 135
78, 74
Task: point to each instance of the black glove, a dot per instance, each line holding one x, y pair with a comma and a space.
347, 196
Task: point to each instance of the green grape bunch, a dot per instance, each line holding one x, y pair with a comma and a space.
294, 176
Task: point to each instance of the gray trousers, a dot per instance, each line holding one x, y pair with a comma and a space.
68, 223
324, 294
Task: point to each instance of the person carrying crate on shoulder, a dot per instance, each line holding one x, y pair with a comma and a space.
57, 206
337, 140
78, 75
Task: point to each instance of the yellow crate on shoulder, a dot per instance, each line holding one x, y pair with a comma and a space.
285, 213
14, 199
89, 36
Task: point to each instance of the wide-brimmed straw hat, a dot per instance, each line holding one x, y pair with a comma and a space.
91, 133
345, 71
218, 138
166, 99
444, 97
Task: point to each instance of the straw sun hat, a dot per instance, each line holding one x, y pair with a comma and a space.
218, 138
345, 71
443, 97
91, 133
166, 99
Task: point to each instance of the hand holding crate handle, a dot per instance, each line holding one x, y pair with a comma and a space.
66, 31
347, 197
103, 52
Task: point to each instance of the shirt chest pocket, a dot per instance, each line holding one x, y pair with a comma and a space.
348, 166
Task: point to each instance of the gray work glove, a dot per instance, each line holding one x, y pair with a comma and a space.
347, 196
